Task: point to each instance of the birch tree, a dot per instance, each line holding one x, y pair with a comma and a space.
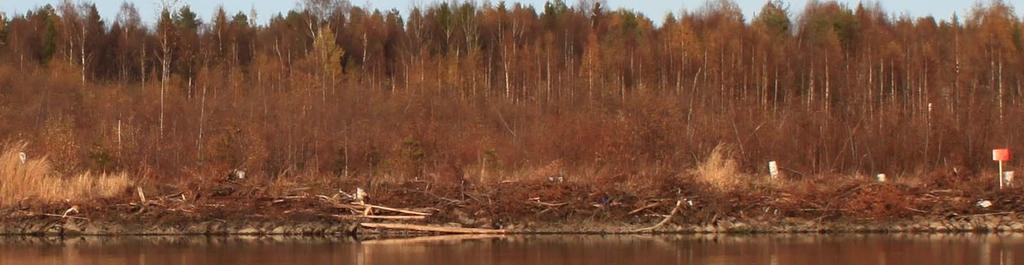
166, 35
327, 55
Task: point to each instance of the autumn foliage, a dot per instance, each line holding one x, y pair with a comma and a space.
463, 92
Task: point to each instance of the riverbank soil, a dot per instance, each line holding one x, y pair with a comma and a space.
612, 205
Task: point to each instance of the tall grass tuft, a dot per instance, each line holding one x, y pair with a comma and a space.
35, 180
720, 170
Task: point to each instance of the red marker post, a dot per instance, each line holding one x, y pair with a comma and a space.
1001, 155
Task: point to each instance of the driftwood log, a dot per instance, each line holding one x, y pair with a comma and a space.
668, 218
430, 239
382, 217
371, 206
645, 207
429, 228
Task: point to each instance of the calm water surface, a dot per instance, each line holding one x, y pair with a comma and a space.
688, 249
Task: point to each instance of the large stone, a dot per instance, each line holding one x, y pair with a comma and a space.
249, 231
709, 229
279, 230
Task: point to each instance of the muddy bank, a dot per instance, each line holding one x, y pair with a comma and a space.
530, 207
86, 227
81, 227
966, 224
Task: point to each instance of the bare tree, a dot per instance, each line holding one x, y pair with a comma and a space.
130, 22
70, 19
91, 26
165, 32
319, 12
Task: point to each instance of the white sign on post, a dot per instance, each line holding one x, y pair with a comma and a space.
773, 169
1008, 178
881, 177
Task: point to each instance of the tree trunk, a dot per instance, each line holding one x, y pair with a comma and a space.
202, 120
166, 74
828, 87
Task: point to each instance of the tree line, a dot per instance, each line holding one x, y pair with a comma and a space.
461, 89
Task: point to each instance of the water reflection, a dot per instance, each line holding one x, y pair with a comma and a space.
490, 249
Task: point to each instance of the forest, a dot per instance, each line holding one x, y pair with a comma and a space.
468, 92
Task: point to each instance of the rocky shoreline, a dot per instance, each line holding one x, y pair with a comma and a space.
984, 223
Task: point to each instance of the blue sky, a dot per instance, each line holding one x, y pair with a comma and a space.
656, 9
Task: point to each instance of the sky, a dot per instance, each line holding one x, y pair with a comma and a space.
655, 9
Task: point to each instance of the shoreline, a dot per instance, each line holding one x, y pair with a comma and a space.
69, 227
530, 208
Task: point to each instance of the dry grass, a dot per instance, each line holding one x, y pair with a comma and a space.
720, 170
35, 180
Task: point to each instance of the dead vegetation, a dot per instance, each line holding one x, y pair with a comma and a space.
716, 189
35, 181
720, 170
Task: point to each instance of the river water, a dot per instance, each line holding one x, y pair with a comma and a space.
681, 249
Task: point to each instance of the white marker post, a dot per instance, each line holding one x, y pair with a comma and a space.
773, 169
1008, 178
881, 177
1001, 155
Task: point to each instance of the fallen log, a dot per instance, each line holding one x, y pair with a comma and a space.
439, 229
396, 210
382, 217
538, 202
73, 209
28, 213
656, 204
428, 239
664, 221
62, 216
